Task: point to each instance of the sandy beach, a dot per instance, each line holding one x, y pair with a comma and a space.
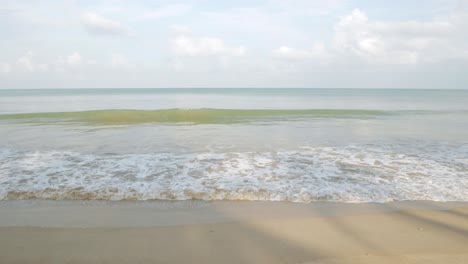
232, 232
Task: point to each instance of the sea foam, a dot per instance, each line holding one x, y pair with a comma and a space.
351, 173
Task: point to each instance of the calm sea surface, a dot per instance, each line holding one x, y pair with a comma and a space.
301, 145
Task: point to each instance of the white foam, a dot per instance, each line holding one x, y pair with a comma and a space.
376, 173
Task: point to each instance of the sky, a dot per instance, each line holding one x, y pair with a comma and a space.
256, 43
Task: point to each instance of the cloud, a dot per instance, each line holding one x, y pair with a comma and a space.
317, 51
73, 64
74, 59
357, 38
167, 11
97, 24
187, 45
407, 42
27, 63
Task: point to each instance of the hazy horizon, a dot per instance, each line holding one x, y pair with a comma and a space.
222, 88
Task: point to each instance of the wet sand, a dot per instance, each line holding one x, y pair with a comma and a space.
232, 232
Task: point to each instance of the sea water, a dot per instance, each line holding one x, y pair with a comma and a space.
300, 145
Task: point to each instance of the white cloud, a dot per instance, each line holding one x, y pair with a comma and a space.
407, 42
187, 45
356, 37
167, 11
74, 59
317, 51
98, 24
27, 63
73, 64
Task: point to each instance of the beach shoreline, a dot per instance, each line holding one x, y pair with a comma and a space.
38, 231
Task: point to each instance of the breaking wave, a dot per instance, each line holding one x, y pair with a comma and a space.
195, 116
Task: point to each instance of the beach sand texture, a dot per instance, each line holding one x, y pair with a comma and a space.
403, 235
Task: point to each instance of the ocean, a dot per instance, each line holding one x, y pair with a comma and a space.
297, 145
